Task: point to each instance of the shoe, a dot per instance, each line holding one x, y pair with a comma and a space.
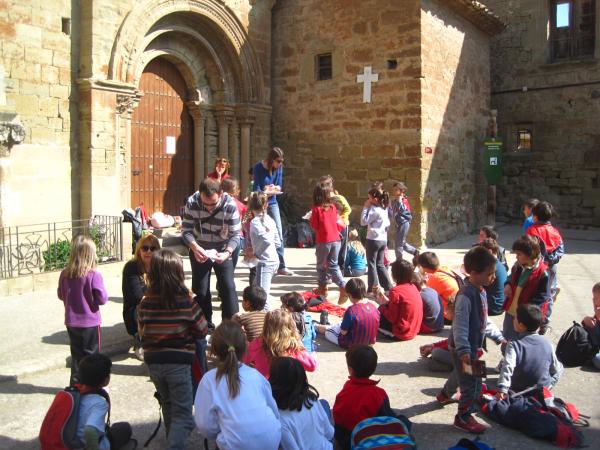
285, 271
469, 424
443, 399
415, 260
322, 290
324, 318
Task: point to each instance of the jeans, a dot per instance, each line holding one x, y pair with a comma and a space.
470, 387
400, 241
343, 247
174, 384
378, 274
350, 272
273, 212
225, 286
263, 277
440, 361
327, 263
83, 342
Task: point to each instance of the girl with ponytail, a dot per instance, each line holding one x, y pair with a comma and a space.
234, 405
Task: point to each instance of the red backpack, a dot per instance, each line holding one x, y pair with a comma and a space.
59, 428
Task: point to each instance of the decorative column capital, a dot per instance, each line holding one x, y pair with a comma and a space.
224, 114
126, 103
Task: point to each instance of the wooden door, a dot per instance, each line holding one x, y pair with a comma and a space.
162, 154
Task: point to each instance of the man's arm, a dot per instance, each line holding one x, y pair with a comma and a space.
509, 362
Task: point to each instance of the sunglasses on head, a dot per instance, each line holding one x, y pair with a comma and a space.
148, 248
222, 160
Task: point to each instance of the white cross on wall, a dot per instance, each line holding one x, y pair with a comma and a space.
367, 78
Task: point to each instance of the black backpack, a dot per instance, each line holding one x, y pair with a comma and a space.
575, 347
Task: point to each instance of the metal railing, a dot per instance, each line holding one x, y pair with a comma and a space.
31, 249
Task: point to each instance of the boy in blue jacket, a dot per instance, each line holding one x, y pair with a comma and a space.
468, 332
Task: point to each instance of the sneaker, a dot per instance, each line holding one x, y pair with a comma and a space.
443, 399
285, 271
469, 424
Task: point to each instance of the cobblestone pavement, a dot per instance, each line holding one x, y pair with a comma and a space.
34, 346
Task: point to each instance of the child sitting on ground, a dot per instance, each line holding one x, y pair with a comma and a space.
528, 213
531, 359
234, 404
439, 278
528, 283
360, 322
254, 299
495, 291
592, 323
360, 398
402, 311
279, 338
305, 420
356, 259
433, 309
488, 232
294, 303
468, 333
94, 376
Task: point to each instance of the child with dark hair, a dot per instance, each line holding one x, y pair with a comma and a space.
433, 309
234, 404
552, 246
169, 323
232, 187
402, 311
531, 359
360, 398
254, 299
401, 214
495, 291
360, 322
528, 283
592, 323
528, 206
94, 376
467, 335
295, 304
489, 232
305, 420
439, 278
375, 217
324, 220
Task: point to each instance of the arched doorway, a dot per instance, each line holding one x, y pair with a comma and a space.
162, 141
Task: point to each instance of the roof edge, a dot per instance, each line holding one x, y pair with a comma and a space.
478, 14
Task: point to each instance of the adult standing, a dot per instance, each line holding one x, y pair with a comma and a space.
211, 230
221, 171
268, 177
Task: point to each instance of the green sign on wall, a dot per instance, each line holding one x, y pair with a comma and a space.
492, 163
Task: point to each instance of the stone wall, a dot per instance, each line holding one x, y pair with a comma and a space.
456, 98
323, 126
560, 103
36, 63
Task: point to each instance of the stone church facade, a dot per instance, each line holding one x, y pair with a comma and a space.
125, 101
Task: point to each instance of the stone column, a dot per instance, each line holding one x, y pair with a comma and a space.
245, 119
199, 147
224, 115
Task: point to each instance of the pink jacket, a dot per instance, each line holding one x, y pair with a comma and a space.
256, 357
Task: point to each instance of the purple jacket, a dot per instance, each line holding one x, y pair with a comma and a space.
82, 298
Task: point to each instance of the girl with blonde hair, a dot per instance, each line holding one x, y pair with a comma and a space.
81, 288
280, 337
234, 404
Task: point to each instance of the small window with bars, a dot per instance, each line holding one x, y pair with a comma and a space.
523, 138
323, 67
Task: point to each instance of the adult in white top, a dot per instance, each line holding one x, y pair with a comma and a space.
250, 421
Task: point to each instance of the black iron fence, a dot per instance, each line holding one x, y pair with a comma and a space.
30, 249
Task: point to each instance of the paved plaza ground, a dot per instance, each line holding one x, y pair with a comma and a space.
34, 346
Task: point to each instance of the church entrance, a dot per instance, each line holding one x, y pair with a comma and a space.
162, 141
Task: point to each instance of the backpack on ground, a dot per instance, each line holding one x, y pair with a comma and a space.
575, 347
59, 428
469, 444
382, 432
563, 410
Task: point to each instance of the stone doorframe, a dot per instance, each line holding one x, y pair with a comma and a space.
228, 90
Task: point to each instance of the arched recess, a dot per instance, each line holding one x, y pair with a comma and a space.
219, 26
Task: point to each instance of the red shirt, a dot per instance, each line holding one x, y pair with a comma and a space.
359, 399
404, 311
324, 222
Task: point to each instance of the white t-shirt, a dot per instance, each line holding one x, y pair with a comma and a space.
249, 421
306, 429
92, 413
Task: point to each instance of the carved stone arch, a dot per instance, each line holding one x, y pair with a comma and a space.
129, 47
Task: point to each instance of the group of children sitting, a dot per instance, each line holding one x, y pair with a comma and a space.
262, 355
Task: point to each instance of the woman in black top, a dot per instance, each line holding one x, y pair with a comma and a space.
135, 281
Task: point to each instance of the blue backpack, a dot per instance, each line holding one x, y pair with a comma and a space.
382, 432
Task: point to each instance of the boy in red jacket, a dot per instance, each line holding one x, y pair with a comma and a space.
360, 398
